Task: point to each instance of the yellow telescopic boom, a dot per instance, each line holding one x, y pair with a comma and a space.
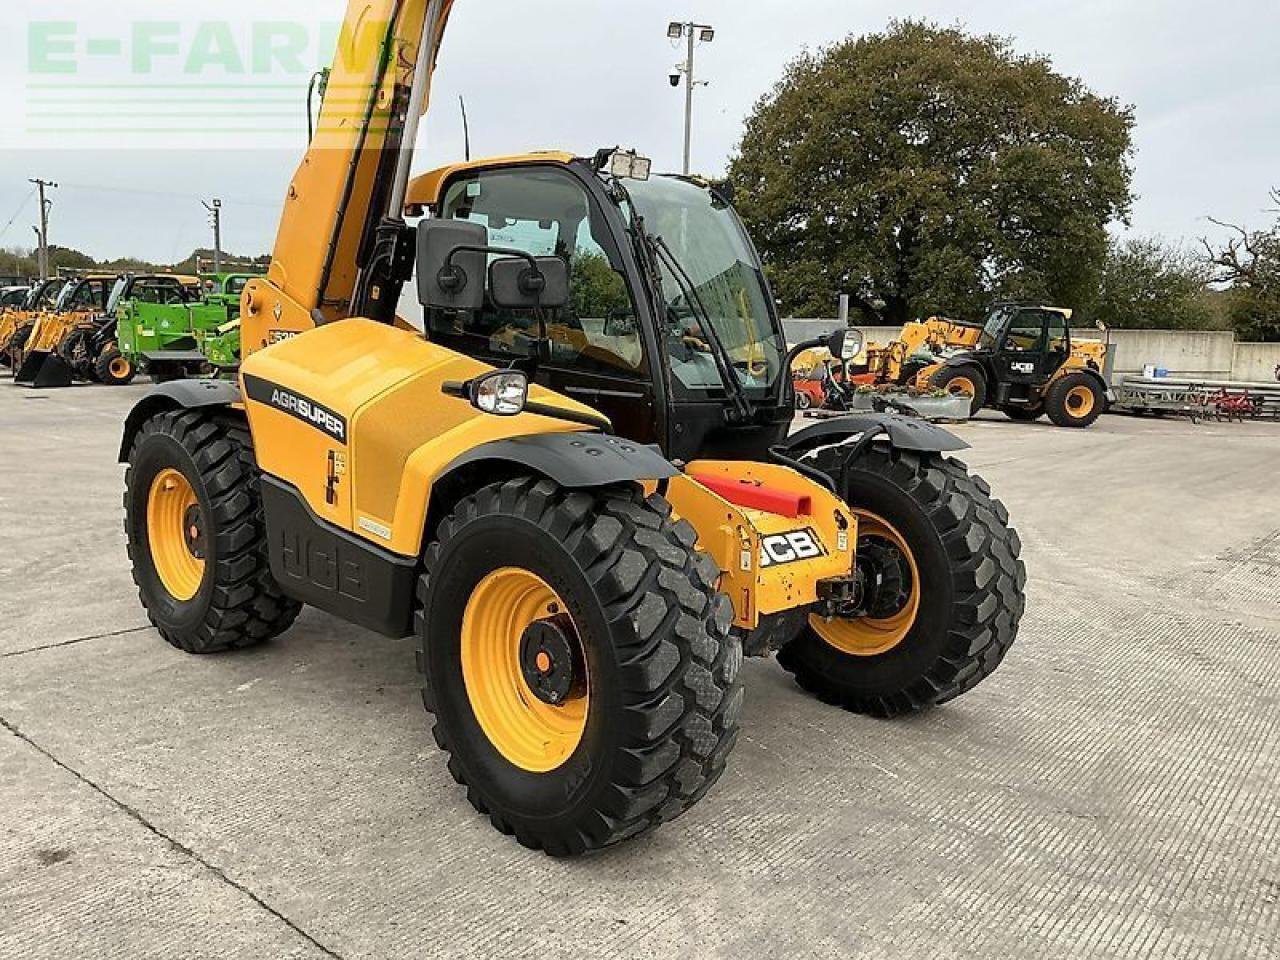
337, 232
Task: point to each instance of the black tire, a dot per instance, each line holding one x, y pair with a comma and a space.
106, 370
803, 400
971, 587
945, 378
17, 345
1061, 400
1024, 414
664, 693
239, 604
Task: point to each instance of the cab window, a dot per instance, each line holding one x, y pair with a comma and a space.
545, 213
1026, 333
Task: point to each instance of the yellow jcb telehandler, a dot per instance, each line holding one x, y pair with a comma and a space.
1023, 360
576, 489
16, 324
40, 363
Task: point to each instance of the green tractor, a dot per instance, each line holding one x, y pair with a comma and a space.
171, 329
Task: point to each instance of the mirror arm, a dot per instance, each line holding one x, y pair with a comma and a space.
450, 277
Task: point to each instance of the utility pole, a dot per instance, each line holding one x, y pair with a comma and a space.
215, 221
43, 230
695, 33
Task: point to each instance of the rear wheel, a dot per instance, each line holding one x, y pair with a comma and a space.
967, 381
1075, 400
578, 662
944, 584
113, 368
197, 537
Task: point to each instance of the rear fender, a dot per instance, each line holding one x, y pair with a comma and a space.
178, 395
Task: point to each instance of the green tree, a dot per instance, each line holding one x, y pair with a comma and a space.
1248, 265
1148, 285
922, 170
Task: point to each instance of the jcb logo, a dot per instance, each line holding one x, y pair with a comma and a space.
1024, 367
791, 547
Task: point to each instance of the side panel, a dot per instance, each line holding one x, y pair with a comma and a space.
352, 415
334, 571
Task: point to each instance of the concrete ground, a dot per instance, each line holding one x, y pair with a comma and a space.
1114, 791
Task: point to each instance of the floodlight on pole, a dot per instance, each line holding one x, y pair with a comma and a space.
694, 33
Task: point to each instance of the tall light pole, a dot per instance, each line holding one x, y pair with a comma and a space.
43, 230
215, 221
694, 33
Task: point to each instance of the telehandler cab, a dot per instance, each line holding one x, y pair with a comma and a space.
577, 488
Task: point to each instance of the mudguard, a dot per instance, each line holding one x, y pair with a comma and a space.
177, 395
905, 433
575, 461
963, 359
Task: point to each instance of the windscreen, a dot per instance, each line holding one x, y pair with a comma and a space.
718, 280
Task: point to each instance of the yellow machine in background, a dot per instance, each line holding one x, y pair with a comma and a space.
16, 324
1023, 361
577, 486
38, 363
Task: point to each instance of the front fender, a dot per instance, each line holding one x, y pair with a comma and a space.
177, 395
575, 461
904, 433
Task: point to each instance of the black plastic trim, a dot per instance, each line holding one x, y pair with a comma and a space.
333, 570
905, 433
177, 395
575, 461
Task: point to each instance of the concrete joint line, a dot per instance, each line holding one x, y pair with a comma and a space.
175, 844
69, 643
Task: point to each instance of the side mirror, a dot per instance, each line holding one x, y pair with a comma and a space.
515, 283
845, 344
450, 278
502, 393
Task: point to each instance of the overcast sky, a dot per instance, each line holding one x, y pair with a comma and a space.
573, 74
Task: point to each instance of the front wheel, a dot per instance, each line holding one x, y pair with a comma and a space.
197, 537
1075, 400
943, 587
578, 661
113, 368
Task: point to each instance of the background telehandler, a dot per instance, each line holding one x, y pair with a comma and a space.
577, 488
16, 324
1023, 360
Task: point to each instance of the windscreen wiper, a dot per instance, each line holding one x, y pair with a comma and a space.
724, 363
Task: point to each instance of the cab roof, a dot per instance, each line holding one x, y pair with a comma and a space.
424, 191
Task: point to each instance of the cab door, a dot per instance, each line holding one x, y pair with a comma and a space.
1023, 353
597, 349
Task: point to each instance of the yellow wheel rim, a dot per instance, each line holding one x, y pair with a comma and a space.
530, 733
867, 637
1080, 402
175, 534
961, 387
119, 367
